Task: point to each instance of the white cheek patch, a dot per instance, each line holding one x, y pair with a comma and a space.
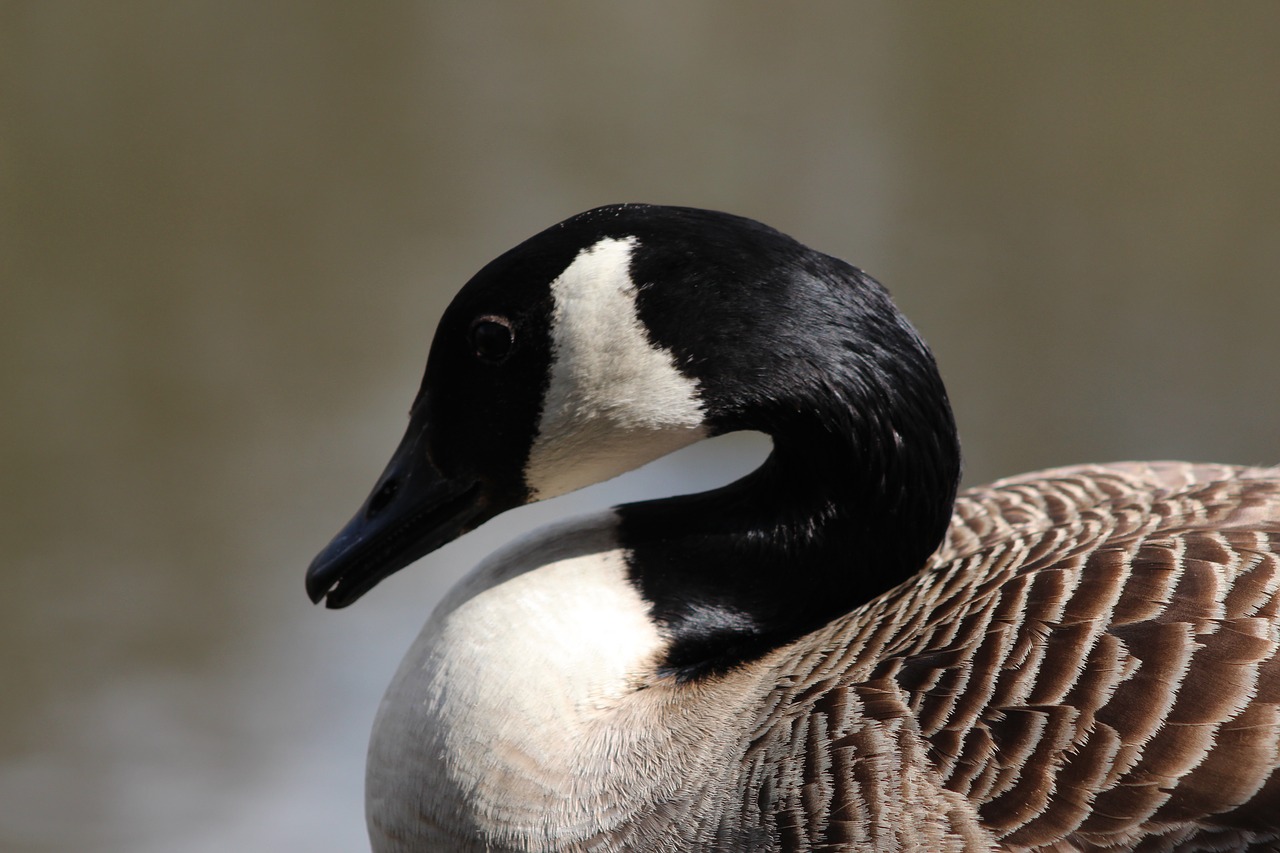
615, 400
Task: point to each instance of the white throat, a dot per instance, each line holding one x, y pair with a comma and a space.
615, 399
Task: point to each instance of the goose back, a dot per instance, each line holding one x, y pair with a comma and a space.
1089, 662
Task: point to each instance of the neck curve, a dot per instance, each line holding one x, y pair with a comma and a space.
855, 496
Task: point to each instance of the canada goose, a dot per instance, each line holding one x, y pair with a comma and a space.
833, 653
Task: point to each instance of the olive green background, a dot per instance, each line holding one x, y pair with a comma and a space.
227, 230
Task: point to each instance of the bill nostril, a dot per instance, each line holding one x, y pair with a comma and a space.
386, 494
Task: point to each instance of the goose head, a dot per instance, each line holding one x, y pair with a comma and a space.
629, 331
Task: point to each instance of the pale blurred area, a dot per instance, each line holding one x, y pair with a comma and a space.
227, 231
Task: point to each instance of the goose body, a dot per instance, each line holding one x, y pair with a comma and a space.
836, 652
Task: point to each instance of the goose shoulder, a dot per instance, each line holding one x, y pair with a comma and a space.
1091, 654
1012, 506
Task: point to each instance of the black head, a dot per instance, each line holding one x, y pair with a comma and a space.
624, 333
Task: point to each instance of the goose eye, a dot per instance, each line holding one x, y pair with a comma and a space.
491, 339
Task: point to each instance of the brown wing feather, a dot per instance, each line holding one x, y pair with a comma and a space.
1089, 662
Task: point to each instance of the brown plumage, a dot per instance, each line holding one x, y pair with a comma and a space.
1089, 662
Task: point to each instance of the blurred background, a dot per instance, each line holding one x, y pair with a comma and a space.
227, 231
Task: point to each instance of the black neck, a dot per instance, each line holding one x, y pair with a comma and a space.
845, 508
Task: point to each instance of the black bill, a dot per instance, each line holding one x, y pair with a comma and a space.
414, 510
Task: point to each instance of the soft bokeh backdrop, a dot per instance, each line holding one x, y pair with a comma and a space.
227, 230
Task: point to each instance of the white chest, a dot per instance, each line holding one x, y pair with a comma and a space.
527, 711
